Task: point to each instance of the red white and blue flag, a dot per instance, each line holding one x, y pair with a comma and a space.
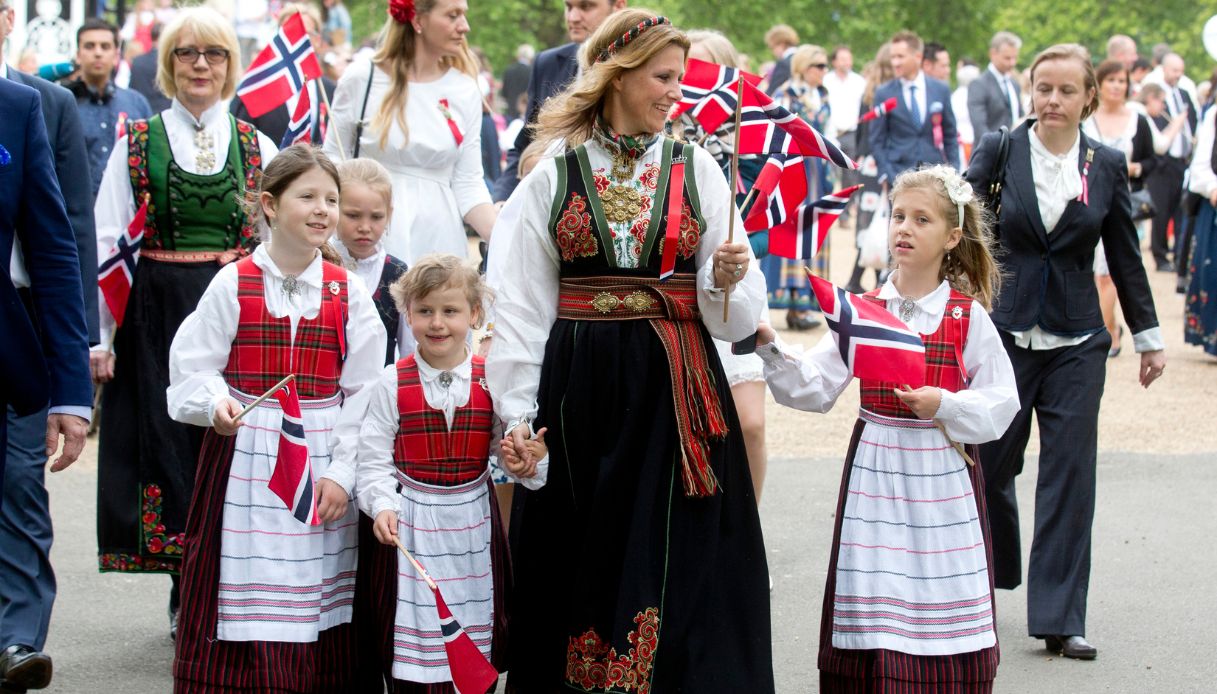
116, 273
882, 109
708, 93
471, 672
780, 187
280, 70
766, 127
874, 344
309, 119
804, 236
292, 480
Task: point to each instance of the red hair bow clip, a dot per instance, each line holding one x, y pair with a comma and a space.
402, 11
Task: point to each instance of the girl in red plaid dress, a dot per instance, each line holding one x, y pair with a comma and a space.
423, 474
266, 594
908, 604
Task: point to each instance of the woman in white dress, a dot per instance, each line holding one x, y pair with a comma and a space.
420, 100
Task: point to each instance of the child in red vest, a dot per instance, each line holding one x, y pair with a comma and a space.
423, 474
908, 604
268, 578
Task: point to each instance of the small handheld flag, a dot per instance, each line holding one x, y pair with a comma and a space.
280, 70
116, 274
882, 109
804, 235
292, 480
780, 187
708, 93
767, 127
873, 343
308, 119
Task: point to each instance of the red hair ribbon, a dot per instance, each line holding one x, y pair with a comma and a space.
402, 11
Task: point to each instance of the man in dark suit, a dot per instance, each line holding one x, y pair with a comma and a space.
922, 130
44, 369
782, 41
1165, 182
994, 98
143, 75
515, 79
552, 71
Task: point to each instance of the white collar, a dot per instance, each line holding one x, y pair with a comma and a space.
1039, 149
209, 116
998, 73
311, 275
933, 304
463, 371
3, 70
918, 81
352, 263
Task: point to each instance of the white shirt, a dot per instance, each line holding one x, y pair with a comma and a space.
814, 380
369, 270
1203, 181
1177, 101
845, 97
435, 181
200, 349
918, 93
115, 205
526, 303
1007, 86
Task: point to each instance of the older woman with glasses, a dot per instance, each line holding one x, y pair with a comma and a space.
191, 165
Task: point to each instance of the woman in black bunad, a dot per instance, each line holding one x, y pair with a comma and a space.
640, 565
193, 163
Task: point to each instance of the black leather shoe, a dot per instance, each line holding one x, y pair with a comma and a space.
1166, 266
1181, 285
173, 624
22, 667
1071, 647
798, 322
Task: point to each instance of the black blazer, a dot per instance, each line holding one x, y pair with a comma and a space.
779, 75
988, 107
273, 124
67, 138
552, 72
1049, 278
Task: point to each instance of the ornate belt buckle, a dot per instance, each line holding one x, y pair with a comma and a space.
638, 302
605, 302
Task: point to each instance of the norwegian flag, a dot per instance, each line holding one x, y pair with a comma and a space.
803, 236
292, 480
767, 127
116, 273
882, 109
780, 187
471, 672
708, 93
309, 119
874, 344
280, 70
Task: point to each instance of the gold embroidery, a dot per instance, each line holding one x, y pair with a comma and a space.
638, 302
595, 666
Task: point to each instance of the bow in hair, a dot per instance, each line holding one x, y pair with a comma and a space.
402, 11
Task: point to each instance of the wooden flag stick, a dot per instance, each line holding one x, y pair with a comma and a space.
954, 444
286, 379
328, 110
739, 110
417, 567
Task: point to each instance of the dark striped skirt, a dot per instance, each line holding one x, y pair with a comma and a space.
203, 663
879, 671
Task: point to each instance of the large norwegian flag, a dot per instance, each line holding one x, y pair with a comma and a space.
764, 122
280, 70
874, 344
708, 93
292, 480
780, 187
116, 273
308, 122
471, 672
804, 236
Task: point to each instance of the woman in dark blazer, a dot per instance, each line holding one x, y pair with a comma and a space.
1062, 193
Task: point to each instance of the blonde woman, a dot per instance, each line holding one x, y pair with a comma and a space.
640, 563
420, 101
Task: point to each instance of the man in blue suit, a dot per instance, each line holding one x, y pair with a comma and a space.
552, 71
44, 360
922, 129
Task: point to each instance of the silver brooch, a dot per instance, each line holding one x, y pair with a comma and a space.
907, 307
291, 285
334, 288
445, 379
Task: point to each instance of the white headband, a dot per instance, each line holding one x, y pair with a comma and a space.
958, 189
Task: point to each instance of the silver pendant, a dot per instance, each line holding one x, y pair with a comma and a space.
445, 379
291, 285
907, 307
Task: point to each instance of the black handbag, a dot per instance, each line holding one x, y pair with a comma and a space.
997, 174
1142, 205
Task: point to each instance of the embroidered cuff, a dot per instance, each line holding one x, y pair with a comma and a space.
1149, 340
536, 481
948, 406
712, 292
211, 407
342, 475
511, 426
379, 506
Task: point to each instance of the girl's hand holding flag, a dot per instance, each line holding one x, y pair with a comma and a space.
385, 527
923, 401
226, 418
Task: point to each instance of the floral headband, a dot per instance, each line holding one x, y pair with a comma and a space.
958, 189
630, 36
402, 11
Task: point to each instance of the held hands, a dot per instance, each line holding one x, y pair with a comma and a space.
331, 500
923, 401
101, 365
385, 527
519, 454
224, 419
73, 429
730, 264
1152, 365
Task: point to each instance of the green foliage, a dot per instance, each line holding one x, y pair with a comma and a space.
964, 27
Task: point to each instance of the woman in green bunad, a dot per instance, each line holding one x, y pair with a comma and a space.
193, 164
640, 565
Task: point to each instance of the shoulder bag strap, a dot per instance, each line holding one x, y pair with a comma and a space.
363, 110
997, 174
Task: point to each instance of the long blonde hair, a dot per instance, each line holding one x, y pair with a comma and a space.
395, 54
969, 267
571, 116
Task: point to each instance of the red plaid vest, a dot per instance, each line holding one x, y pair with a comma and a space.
426, 450
263, 353
943, 359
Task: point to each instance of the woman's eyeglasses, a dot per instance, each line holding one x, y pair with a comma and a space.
819, 66
189, 56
